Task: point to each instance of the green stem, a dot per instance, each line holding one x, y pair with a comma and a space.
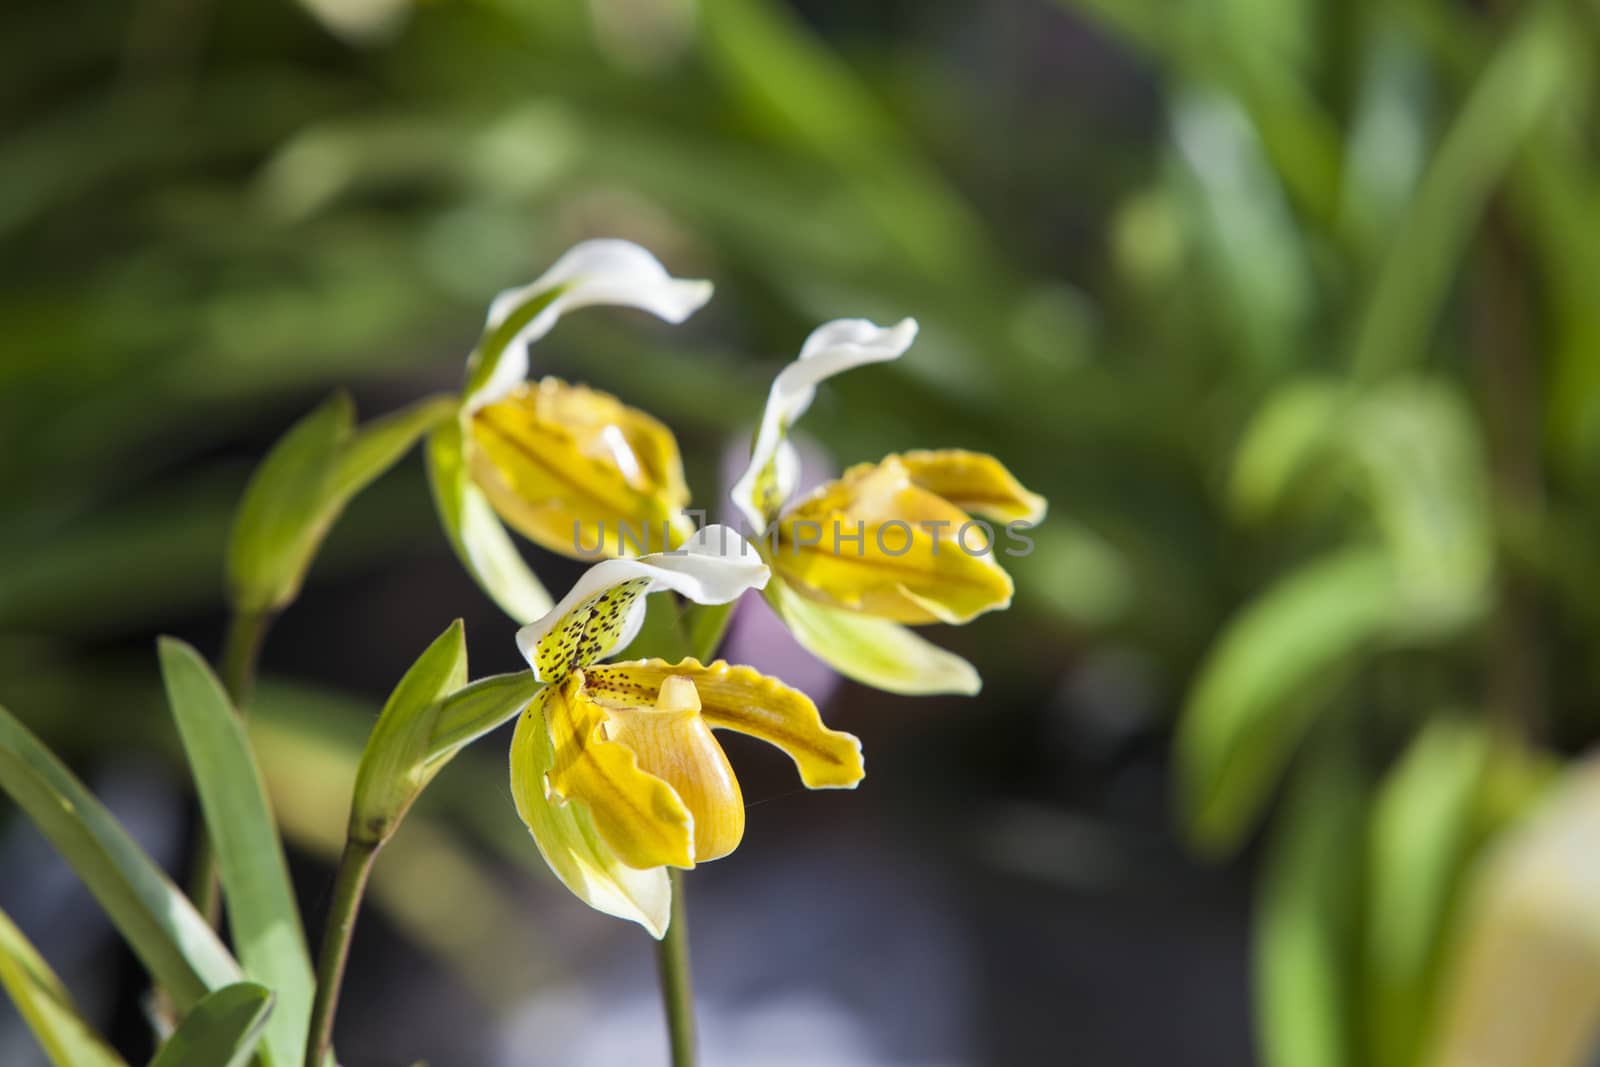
355, 865
240, 649
707, 625
677, 985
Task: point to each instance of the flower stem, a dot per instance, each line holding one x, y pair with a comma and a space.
707, 626
240, 649
677, 986
355, 865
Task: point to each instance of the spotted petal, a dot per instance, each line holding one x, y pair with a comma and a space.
833, 347
745, 700
571, 844
605, 608
594, 272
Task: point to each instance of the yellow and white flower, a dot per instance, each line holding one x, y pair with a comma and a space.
886, 545
615, 769
571, 468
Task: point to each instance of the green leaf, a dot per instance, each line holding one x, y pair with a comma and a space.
475, 532
1419, 839
1512, 96
1307, 918
1523, 982
281, 519
46, 1006
255, 879
395, 765
220, 1031
303, 485
170, 938
1273, 669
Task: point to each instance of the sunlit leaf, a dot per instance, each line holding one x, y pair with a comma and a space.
255, 879
172, 940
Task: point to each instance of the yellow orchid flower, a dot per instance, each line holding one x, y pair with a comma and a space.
615, 769
571, 468
886, 545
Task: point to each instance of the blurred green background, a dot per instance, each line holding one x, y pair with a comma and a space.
1290, 307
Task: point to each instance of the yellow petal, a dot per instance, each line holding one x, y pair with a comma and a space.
640, 816
673, 742
976, 483
918, 558
579, 472
744, 699
567, 838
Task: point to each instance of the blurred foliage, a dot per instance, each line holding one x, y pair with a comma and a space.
1289, 307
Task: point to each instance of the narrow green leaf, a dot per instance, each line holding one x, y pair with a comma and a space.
395, 766
1418, 842
255, 879
170, 938
1307, 918
480, 541
222, 1030
46, 1006
1512, 96
1265, 680
281, 518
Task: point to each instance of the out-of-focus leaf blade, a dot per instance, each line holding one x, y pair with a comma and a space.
46, 1006
174, 943
261, 907
1418, 841
1266, 679
1511, 97
1307, 917
222, 1030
